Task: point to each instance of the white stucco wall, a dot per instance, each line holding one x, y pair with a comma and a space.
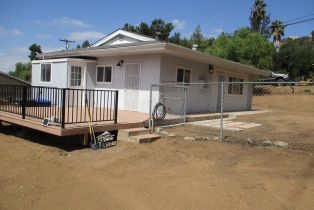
58, 74
149, 74
200, 98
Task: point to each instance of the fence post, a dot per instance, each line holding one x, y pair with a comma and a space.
63, 107
150, 107
221, 111
116, 107
184, 104
24, 102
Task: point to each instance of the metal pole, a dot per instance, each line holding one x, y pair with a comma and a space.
116, 106
184, 104
221, 111
24, 102
150, 107
63, 108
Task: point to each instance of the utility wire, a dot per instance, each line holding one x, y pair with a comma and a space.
298, 18
301, 21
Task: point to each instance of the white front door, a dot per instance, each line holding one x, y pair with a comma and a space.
131, 86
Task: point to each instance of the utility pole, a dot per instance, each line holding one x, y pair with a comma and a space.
67, 43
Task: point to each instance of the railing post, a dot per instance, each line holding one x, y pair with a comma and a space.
185, 98
150, 107
63, 107
24, 102
116, 107
221, 111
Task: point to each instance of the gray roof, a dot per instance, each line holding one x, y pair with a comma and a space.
13, 77
66, 52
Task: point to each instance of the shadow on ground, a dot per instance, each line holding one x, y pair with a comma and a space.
68, 143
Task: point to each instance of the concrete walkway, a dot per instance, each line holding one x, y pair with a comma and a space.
230, 123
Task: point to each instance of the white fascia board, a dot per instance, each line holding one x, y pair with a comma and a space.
129, 50
61, 60
124, 33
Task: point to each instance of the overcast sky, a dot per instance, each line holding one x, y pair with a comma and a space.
44, 22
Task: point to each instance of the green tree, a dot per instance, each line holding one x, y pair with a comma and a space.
175, 38
22, 71
198, 38
144, 29
265, 28
258, 14
160, 29
296, 58
278, 31
157, 29
34, 50
129, 27
85, 44
246, 47
78, 46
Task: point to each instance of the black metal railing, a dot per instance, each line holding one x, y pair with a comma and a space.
60, 105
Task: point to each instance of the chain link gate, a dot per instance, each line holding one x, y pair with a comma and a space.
173, 97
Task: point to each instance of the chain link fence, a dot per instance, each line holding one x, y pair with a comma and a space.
229, 109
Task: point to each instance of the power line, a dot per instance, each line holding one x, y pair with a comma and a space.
301, 21
298, 18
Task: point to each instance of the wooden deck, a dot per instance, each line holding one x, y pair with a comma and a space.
126, 119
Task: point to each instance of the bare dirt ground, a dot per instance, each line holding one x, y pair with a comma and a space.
43, 173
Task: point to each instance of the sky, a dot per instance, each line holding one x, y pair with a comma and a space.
23, 23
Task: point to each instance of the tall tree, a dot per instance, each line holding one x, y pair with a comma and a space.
129, 27
157, 29
85, 44
197, 36
175, 38
278, 31
160, 29
296, 58
34, 50
246, 47
258, 13
265, 28
143, 28
22, 71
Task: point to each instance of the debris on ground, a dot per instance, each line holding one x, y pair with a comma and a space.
267, 143
189, 138
281, 144
250, 141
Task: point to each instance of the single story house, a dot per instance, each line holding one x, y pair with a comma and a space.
131, 63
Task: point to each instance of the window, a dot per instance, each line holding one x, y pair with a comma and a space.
235, 86
45, 72
76, 76
104, 74
183, 75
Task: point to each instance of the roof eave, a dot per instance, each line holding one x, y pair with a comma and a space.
216, 61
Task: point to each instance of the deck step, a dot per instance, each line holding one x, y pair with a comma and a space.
133, 132
146, 138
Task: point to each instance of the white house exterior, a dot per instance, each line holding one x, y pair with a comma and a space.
131, 63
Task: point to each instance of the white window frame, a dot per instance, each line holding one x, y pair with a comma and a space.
47, 82
232, 86
185, 69
104, 66
81, 68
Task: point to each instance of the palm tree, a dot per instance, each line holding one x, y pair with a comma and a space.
258, 13
277, 30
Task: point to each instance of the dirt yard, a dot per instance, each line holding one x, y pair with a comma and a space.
43, 173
